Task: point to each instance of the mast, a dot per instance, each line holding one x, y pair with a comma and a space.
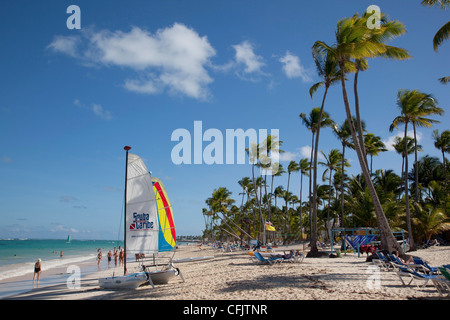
126, 148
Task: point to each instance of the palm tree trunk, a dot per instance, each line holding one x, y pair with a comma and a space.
329, 205
301, 189
408, 213
286, 213
358, 116
342, 224
416, 167
310, 193
314, 248
388, 240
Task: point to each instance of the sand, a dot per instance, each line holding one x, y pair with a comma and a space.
234, 276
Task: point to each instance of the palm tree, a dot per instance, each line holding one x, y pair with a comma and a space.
304, 165
244, 183
387, 31
399, 146
332, 162
414, 107
327, 68
373, 146
442, 142
343, 133
317, 118
443, 33
292, 167
431, 221
353, 42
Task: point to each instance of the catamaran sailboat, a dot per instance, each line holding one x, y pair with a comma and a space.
149, 226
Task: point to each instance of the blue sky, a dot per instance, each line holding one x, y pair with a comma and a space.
71, 99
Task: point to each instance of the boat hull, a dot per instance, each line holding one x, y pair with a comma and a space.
131, 281
163, 276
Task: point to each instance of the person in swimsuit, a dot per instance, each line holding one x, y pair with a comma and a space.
37, 271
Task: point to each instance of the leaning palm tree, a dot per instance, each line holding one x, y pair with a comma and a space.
352, 42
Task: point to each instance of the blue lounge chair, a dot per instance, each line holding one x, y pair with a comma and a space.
271, 260
395, 261
405, 271
382, 260
420, 261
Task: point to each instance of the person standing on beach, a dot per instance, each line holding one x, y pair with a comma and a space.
37, 271
109, 257
116, 256
99, 257
120, 257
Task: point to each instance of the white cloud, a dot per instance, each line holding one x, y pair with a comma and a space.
245, 55
174, 57
67, 45
293, 68
389, 142
99, 111
6, 159
305, 152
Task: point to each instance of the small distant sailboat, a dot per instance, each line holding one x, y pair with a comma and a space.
149, 226
68, 239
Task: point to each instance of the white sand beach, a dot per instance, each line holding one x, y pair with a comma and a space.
233, 276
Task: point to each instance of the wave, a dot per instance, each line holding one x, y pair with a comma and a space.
21, 269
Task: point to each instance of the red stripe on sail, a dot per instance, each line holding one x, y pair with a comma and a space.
166, 207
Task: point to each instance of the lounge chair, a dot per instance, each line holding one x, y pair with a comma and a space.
442, 283
271, 260
427, 267
405, 271
382, 260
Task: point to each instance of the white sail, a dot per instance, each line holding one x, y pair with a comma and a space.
141, 210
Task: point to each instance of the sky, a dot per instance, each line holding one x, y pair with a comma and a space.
78, 86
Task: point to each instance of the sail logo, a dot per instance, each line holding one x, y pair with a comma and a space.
141, 221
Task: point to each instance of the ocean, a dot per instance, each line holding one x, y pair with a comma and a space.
17, 259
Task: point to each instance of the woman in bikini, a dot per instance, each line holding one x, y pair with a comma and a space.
37, 271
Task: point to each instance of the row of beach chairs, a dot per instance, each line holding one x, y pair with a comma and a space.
294, 256
417, 271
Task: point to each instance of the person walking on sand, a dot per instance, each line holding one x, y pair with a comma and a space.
37, 272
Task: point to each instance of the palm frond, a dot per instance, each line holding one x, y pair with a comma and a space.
442, 34
314, 88
444, 80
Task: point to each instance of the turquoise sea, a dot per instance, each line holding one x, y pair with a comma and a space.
17, 257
